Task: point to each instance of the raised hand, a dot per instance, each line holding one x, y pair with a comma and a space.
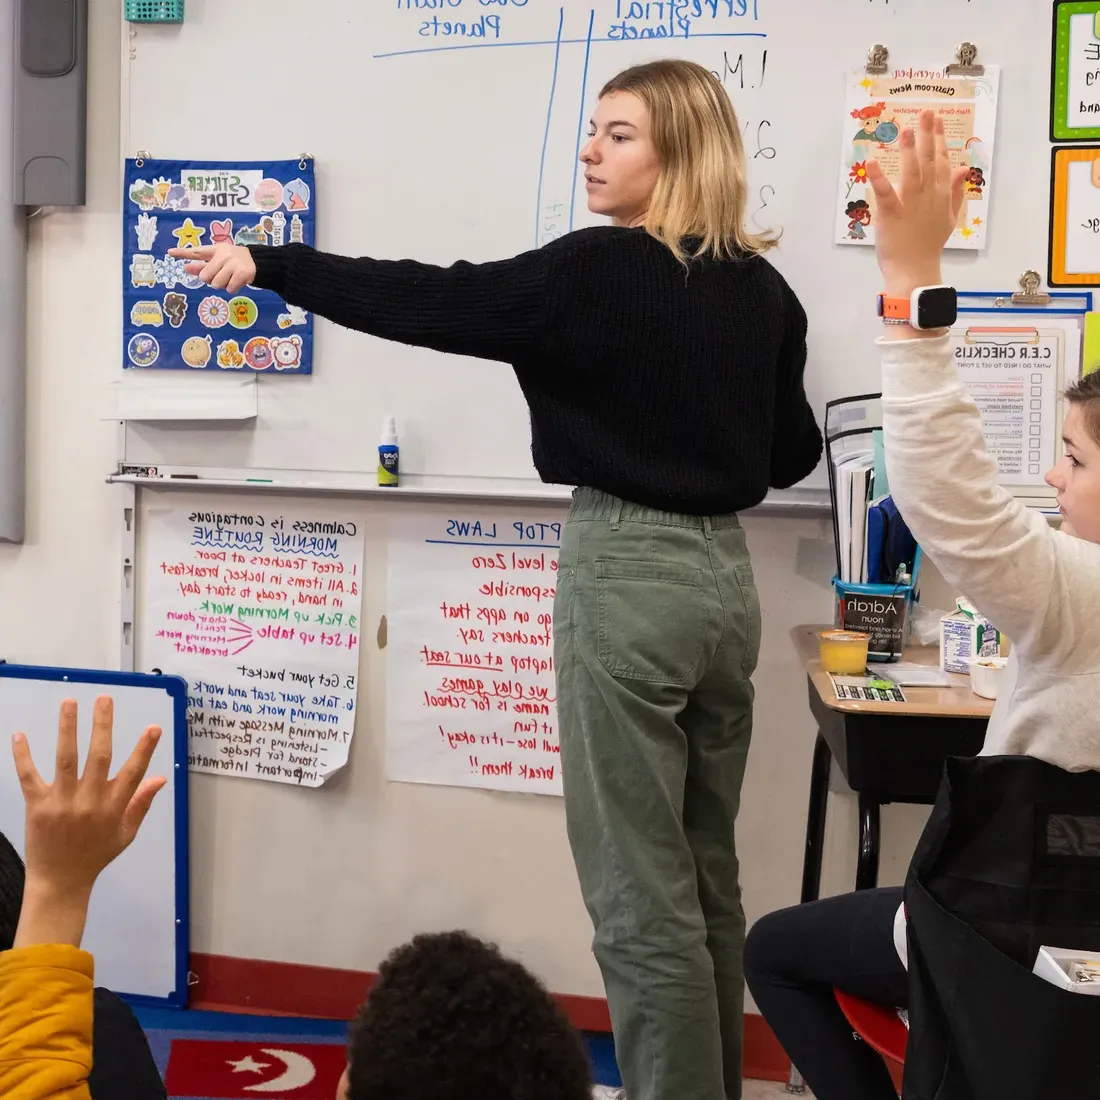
222, 266
79, 823
914, 221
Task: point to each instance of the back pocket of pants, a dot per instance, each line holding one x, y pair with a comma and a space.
747, 583
652, 620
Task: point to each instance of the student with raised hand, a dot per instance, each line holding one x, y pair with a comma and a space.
75, 827
662, 358
123, 1067
1039, 585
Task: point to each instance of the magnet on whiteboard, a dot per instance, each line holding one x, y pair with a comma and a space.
1096, 25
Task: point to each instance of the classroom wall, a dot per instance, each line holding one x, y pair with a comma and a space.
338, 876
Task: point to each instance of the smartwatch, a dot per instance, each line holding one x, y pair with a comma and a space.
927, 307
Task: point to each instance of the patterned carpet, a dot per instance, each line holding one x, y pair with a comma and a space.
223, 1056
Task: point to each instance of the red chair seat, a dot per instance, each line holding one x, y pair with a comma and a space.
879, 1027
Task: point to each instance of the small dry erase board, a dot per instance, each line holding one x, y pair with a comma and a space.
1075, 216
1075, 71
138, 920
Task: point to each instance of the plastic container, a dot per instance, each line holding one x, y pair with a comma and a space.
986, 674
389, 455
154, 11
843, 652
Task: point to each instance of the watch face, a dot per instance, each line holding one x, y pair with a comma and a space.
937, 307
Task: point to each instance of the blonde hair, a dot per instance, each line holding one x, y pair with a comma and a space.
702, 183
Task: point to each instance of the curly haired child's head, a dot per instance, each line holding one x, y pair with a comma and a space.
452, 1019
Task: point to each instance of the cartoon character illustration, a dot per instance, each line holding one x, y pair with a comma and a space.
196, 351
221, 232
295, 316
146, 313
242, 312
253, 234
146, 231
144, 194
176, 197
214, 312
860, 214
143, 270
287, 351
229, 355
161, 187
975, 181
143, 350
869, 116
296, 195
175, 308
189, 235
257, 353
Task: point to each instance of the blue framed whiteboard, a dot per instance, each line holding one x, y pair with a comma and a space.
139, 919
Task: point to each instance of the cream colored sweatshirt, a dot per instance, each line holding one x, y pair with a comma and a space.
1037, 585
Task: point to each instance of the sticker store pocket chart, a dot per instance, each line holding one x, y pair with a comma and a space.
174, 321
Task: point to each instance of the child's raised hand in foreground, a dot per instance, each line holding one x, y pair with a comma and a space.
79, 823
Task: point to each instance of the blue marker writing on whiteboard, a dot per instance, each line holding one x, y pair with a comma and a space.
388, 454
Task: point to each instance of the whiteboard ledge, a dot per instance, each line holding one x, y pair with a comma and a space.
182, 397
796, 501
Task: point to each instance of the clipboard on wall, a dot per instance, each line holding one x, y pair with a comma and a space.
1017, 353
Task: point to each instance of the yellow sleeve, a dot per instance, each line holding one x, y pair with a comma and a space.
46, 996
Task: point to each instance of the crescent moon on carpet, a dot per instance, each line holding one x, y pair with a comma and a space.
299, 1071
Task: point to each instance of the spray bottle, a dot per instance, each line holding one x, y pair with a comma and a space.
388, 454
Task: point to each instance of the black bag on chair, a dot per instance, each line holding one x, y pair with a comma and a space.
1008, 862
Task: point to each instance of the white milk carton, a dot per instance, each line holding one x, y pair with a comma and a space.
965, 634
1077, 971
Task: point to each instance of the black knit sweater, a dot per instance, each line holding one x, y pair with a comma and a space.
680, 390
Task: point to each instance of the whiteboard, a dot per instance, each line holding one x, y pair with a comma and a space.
444, 146
138, 918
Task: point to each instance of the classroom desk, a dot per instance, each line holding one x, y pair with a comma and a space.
887, 752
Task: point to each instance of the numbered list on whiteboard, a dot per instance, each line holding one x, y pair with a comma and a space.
470, 695
258, 609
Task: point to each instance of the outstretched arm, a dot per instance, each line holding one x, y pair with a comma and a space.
491, 311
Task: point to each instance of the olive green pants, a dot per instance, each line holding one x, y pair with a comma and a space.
657, 631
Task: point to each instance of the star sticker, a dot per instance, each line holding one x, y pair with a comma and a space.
189, 235
976, 221
865, 84
966, 232
248, 1065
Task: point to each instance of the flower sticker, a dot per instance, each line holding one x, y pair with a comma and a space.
857, 174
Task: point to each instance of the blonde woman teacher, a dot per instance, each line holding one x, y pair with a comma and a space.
662, 359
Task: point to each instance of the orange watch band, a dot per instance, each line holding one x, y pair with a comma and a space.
895, 309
